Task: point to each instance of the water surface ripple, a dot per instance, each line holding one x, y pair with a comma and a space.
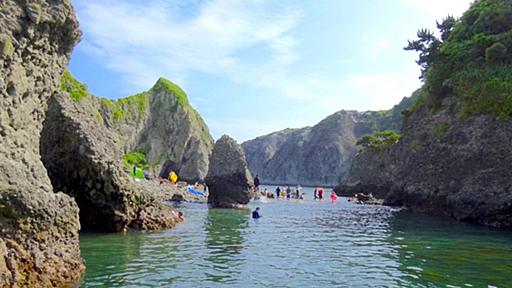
306, 244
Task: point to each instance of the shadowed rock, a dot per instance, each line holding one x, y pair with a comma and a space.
83, 159
38, 228
229, 180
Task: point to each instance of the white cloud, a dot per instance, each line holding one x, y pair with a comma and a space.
146, 40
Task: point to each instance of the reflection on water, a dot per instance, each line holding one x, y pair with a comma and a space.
447, 253
224, 242
109, 260
302, 243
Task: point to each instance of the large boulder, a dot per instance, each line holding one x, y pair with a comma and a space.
83, 159
38, 228
229, 181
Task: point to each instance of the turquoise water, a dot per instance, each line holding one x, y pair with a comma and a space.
302, 244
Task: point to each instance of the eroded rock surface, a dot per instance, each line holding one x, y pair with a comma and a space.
38, 228
83, 159
229, 181
462, 172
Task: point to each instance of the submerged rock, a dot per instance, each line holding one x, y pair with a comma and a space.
229, 181
38, 228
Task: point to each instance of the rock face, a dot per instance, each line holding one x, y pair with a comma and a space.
318, 155
161, 123
38, 228
83, 160
462, 172
454, 157
369, 173
229, 181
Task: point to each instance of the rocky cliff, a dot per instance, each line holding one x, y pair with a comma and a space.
318, 155
159, 122
83, 160
162, 124
38, 228
454, 155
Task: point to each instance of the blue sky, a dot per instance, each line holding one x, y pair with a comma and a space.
251, 67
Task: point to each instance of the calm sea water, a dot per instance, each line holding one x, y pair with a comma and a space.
302, 244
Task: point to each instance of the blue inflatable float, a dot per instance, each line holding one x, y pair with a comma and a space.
195, 192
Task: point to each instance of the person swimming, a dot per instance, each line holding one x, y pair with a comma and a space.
256, 213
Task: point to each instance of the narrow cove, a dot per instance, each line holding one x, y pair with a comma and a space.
316, 244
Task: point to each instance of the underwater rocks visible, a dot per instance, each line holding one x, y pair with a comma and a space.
83, 160
229, 181
38, 228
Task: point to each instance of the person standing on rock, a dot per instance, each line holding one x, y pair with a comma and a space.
134, 169
278, 191
257, 183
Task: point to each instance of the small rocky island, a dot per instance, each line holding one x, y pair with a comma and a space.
229, 179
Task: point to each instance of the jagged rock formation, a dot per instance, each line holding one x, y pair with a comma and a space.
83, 160
454, 157
38, 228
162, 124
318, 155
229, 181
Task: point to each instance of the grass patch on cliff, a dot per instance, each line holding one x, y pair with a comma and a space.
379, 140
123, 107
135, 157
165, 85
440, 129
77, 91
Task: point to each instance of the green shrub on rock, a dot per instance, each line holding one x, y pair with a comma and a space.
379, 140
134, 157
77, 90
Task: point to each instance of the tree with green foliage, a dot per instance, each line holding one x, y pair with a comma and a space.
379, 140
471, 61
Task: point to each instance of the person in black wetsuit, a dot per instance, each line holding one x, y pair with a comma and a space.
257, 183
256, 213
278, 191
